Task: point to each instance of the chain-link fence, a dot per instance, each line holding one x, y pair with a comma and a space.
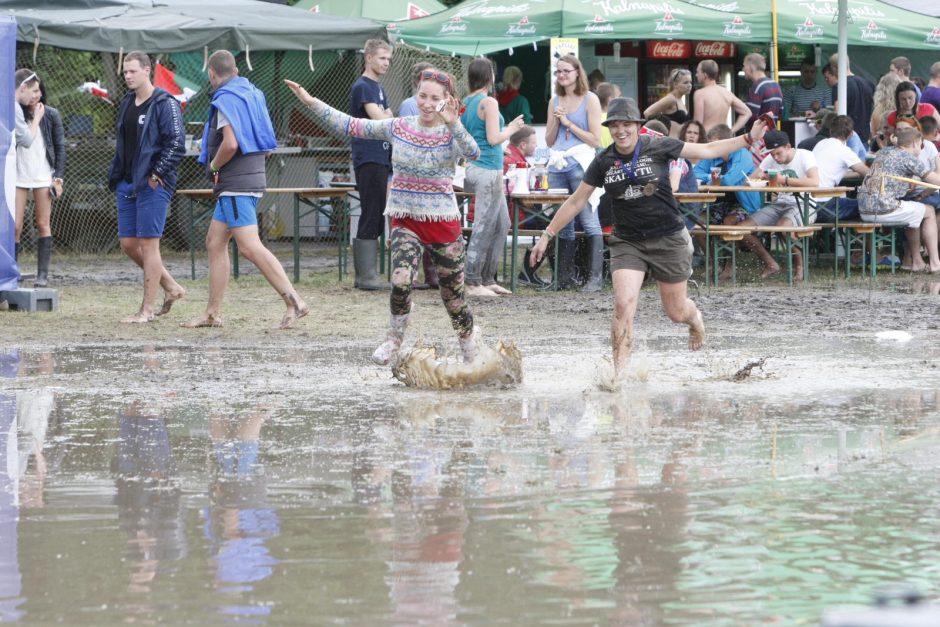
84, 219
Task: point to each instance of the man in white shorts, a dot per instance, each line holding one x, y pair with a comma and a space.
785, 166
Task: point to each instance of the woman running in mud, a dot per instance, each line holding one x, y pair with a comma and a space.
421, 201
649, 232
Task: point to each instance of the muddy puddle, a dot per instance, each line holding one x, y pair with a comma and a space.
761, 480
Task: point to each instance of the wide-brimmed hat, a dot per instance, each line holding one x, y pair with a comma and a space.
622, 110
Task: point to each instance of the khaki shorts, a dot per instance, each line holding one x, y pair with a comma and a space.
668, 258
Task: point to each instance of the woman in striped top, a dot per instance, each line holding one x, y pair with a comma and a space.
421, 201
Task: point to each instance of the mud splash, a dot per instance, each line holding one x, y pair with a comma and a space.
421, 367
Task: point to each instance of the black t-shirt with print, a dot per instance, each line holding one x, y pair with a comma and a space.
639, 217
134, 117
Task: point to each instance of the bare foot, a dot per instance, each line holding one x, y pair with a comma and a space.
769, 271
478, 290
205, 320
498, 289
138, 318
168, 299
934, 269
725, 273
296, 310
920, 267
697, 332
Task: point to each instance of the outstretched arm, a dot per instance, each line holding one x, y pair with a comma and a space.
724, 147
340, 123
565, 214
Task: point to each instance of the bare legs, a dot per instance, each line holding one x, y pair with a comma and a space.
249, 245
145, 252
926, 234
676, 304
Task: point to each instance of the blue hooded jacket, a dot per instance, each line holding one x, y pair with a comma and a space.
246, 109
160, 146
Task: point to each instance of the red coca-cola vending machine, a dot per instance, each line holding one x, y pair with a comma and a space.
662, 57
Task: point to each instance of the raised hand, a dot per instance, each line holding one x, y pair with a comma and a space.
300, 92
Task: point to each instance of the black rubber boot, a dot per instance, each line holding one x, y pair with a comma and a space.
43, 254
595, 257
16, 251
566, 271
365, 255
528, 274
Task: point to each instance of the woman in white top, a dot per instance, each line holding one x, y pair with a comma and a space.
39, 169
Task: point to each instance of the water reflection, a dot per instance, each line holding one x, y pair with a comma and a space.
10, 576
148, 496
239, 524
703, 505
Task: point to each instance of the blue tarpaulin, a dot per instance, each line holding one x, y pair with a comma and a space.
9, 273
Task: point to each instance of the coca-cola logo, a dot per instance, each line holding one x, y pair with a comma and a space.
668, 49
714, 50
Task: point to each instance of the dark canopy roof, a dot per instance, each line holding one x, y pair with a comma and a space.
179, 25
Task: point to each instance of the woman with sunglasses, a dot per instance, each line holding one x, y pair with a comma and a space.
672, 105
906, 103
484, 179
40, 166
421, 201
573, 132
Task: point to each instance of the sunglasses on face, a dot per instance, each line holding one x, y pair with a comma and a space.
440, 77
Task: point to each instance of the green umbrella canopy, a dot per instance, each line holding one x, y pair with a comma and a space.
674, 19
379, 10
484, 26
872, 23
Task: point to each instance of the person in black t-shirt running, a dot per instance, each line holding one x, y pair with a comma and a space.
649, 232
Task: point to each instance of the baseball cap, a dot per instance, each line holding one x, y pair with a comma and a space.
775, 139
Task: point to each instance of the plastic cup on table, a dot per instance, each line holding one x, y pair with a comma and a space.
716, 176
772, 177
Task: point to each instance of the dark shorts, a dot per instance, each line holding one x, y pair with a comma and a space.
142, 214
668, 258
236, 211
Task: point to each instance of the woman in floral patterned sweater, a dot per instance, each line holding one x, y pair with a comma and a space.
421, 201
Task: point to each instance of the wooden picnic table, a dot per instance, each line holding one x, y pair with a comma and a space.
312, 197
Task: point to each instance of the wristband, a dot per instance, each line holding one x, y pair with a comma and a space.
748, 140
213, 169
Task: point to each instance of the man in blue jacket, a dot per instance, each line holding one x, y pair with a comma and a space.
150, 145
237, 137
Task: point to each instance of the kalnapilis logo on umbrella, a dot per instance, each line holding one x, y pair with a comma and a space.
933, 37
521, 28
737, 27
668, 24
598, 25
873, 32
455, 25
809, 30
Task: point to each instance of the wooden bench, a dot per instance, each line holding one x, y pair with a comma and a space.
863, 236
724, 242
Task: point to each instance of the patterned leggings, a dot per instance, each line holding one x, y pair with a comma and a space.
449, 259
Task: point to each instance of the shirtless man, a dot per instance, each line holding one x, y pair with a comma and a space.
713, 102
